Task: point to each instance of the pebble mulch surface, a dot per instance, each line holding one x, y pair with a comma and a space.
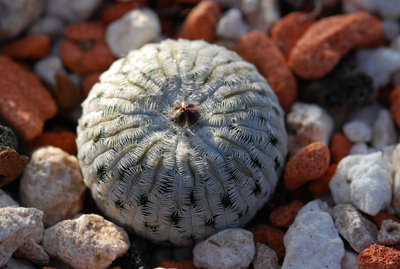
334, 66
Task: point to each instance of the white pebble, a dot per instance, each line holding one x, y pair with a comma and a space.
265, 257
47, 67
383, 130
389, 234
6, 200
18, 264
72, 10
228, 249
364, 181
379, 63
135, 29
391, 29
357, 131
308, 123
231, 25
52, 182
359, 148
262, 17
248, 6
50, 26
30, 249
349, 260
354, 227
17, 15
89, 241
395, 44
388, 9
16, 225
312, 241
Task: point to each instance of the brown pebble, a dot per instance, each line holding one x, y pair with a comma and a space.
320, 48
86, 50
67, 93
310, 163
12, 165
289, 29
379, 257
24, 104
260, 50
201, 22
62, 139
283, 216
29, 47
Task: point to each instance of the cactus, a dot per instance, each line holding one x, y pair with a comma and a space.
180, 140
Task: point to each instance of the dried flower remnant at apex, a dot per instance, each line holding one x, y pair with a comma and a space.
184, 114
180, 140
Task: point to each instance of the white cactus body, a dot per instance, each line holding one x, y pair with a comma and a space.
171, 179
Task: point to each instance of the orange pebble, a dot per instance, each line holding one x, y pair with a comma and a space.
201, 22
326, 41
117, 10
395, 105
258, 49
283, 216
310, 163
321, 185
187, 264
25, 104
61, 139
270, 236
89, 81
381, 216
340, 147
379, 257
289, 29
29, 47
86, 50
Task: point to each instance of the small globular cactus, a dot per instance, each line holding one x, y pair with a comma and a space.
180, 140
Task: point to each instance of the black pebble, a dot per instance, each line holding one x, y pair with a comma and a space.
345, 85
8, 137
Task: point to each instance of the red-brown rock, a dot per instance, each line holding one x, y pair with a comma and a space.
289, 29
326, 41
283, 216
310, 163
201, 22
260, 50
379, 257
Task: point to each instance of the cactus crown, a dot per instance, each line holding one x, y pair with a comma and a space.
180, 140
